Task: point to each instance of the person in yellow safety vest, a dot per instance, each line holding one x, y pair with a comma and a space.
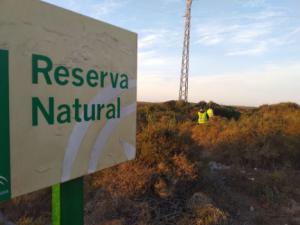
210, 112
202, 116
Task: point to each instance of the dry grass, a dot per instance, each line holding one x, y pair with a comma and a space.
208, 215
265, 137
261, 146
132, 178
32, 221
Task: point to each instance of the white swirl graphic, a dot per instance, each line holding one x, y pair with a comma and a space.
80, 129
3, 180
105, 134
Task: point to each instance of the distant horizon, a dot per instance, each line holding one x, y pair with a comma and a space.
242, 52
219, 103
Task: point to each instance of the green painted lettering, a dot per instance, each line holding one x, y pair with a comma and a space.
111, 111
114, 79
77, 74
124, 82
60, 75
87, 111
99, 108
92, 78
37, 106
77, 107
119, 108
38, 69
64, 115
103, 76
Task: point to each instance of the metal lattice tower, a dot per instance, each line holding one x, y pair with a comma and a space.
184, 78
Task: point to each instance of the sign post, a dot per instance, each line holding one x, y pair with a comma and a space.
5, 192
68, 102
67, 203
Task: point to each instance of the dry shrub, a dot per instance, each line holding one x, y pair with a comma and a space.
169, 144
162, 187
142, 117
39, 204
24, 220
199, 200
211, 216
183, 167
113, 222
174, 177
159, 141
127, 179
125, 212
207, 135
268, 186
265, 186
208, 215
265, 137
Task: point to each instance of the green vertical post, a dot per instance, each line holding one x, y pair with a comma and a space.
56, 204
67, 203
5, 187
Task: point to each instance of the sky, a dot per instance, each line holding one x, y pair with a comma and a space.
242, 52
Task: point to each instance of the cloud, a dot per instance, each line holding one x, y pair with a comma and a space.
217, 33
148, 40
256, 50
107, 7
248, 34
157, 38
234, 32
241, 39
153, 54
151, 38
155, 63
213, 33
251, 32
171, 1
287, 38
91, 8
152, 58
265, 15
68, 4
252, 3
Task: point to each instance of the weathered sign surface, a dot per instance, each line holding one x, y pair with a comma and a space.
67, 96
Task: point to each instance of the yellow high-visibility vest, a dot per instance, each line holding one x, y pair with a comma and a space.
202, 117
210, 112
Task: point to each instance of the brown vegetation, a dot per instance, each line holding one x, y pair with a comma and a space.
241, 168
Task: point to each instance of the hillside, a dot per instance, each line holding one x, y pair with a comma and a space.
240, 168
